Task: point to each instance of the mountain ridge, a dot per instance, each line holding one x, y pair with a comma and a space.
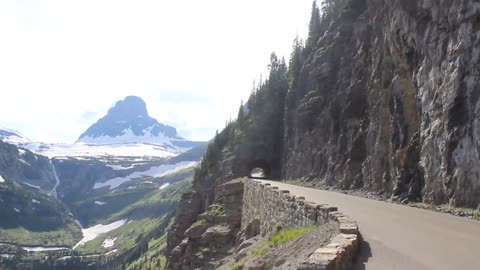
126, 130
128, 121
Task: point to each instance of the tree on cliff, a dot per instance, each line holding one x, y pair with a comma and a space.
314, 28
259, 126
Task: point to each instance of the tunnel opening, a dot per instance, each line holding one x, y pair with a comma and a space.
259, 169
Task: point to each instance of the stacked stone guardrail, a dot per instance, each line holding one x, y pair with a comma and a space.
267, 206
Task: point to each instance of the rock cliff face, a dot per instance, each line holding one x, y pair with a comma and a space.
388, 100
384, 97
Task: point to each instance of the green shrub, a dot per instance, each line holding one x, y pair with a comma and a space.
278, 227
217, 210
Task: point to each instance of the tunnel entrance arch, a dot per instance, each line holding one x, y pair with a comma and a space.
259, 169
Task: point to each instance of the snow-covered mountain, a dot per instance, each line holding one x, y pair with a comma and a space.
126, 130
128, 122
12, 136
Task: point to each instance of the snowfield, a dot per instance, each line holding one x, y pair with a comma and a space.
80, 149
129, 137
157, 171
126, 145
108, 243
93, 232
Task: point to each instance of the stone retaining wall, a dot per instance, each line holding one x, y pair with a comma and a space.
265, 206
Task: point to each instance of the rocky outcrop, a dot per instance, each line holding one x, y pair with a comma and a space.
388, 100
186, 215
203, 241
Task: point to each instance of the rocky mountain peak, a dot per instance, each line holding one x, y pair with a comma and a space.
131, 107
128, 122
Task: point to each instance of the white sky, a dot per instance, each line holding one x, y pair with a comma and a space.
64, 63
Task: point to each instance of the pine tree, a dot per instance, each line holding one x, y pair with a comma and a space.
296, 60
314, 28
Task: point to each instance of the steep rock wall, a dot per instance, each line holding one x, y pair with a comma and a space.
388, 100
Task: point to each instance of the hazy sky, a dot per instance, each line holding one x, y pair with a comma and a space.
64, 63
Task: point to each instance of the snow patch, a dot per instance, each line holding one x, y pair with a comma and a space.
2, 180
35, 201
37, 249
108, 243
164, 185
158, 171
24, 162
57, 180
16, 210
99, 203
30, 185
128, 136
13, 137
78, 223
92, 232
22, 151
112, 251
120, 167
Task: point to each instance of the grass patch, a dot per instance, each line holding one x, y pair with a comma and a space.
68, 235
217, 210
286, 235
127, 236
236, 266
261, 249
281, 236
198, 222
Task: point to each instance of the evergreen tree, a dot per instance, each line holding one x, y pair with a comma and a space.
314, 28
296, 60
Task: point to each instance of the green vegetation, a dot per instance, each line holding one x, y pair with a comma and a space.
279, 226
217, 210
31, 216
139, 244
281, 236
67, 235
259, 123
261, 249
153, 258
138, 200
236, 266
286, 235
199, 222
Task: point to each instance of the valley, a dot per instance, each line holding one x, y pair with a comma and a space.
91, 209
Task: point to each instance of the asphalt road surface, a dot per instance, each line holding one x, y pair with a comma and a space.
401, 237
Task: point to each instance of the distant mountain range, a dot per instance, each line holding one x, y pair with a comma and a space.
126, 130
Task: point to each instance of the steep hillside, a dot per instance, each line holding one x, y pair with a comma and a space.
30, 213
382, 97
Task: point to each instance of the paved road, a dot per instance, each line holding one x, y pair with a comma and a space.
402, 237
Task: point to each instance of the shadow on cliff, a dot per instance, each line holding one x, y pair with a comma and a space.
364, 254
